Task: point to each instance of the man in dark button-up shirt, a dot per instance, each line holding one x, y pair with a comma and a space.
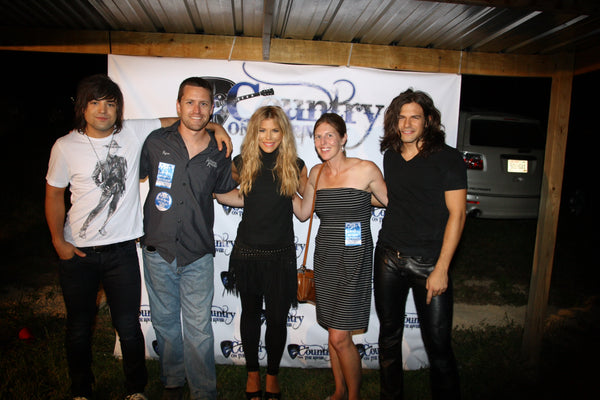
179, 209
184, 168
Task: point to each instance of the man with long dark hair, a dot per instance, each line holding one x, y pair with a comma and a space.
99, 162
426, 181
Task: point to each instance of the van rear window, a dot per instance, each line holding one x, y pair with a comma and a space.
504, 133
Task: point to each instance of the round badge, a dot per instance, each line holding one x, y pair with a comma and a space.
163, 201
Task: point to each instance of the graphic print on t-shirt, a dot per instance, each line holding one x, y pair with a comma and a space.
109, 175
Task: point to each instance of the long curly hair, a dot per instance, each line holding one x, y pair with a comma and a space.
286, 170
433, 134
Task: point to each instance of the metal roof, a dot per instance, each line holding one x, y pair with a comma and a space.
495, 26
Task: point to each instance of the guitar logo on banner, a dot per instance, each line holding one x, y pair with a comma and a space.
223, 99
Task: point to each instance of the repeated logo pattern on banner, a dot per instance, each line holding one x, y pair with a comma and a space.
359, 95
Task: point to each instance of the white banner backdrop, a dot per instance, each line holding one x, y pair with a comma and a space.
359, 95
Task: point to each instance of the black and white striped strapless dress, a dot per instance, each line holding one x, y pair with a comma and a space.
343, 260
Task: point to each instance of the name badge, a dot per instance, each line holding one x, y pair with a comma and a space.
164, 178
353, 234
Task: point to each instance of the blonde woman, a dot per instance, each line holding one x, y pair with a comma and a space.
263, 261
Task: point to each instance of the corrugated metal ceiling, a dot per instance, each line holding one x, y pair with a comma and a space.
536, 27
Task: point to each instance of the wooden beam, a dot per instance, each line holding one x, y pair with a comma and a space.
282, 50
171, 45
186, 46
309, 52
55, 41
405, 58
543, 257
587, 61
452, 62
508, 65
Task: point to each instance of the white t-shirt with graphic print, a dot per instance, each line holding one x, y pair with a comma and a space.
103, 177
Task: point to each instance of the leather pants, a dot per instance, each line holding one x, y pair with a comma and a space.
393, 277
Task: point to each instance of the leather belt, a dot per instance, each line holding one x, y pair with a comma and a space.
106, 247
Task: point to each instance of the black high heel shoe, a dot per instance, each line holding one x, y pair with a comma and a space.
272, 396
254, 395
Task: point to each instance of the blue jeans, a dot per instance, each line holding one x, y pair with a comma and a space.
180, 305
117, 268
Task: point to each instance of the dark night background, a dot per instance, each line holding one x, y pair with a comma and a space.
36, 107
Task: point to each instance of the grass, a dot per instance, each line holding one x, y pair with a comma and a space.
489, 359
499, 257
500, 253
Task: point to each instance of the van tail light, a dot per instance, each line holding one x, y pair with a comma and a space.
473, 161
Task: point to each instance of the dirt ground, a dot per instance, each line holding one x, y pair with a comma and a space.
473, 315
47, 299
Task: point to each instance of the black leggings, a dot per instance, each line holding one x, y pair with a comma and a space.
391, 284
276, 313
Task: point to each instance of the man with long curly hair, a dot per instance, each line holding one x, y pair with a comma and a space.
426, 181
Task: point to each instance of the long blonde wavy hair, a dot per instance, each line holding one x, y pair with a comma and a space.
286, 169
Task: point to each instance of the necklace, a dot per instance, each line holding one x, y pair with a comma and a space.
112, 136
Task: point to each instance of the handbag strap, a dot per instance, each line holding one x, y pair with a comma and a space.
312, 211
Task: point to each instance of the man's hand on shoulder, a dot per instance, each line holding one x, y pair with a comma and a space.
221, 137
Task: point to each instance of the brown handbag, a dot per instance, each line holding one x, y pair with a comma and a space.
306, 276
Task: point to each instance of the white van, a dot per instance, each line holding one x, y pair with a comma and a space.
504, 154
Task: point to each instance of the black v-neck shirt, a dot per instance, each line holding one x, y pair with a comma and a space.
416, 215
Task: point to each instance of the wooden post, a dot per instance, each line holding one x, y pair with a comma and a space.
543, 257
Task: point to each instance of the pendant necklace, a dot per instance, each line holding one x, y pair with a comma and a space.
112, 136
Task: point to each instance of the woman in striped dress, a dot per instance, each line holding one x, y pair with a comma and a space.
343, 258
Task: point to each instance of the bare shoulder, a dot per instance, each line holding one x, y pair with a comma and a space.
369, 164
315, 169
312, 176
366, 165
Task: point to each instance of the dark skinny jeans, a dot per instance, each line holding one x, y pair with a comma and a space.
391, 285
118, 270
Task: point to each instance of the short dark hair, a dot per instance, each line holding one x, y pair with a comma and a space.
197, 82
433, 135
334, 120
97, 87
